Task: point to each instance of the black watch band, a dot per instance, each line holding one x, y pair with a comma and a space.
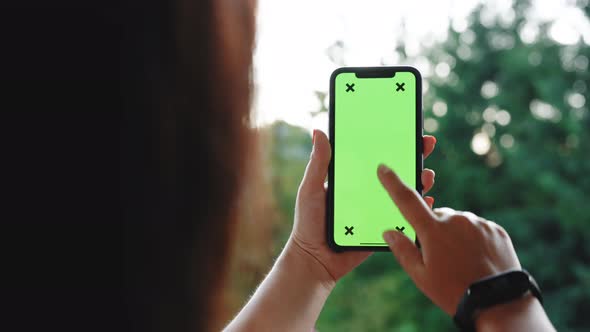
491, 291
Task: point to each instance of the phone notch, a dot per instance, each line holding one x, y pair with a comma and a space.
376, 73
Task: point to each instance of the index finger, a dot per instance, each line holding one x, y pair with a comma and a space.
408, 201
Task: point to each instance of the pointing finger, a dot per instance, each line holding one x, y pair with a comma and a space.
408, 201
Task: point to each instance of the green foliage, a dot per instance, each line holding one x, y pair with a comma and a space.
290, 148
537, 187
533, 180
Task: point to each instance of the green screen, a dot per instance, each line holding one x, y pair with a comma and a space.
374, 122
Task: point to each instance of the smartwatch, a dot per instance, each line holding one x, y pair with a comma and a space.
491, 291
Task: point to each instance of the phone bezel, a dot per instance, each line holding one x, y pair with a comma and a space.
419, 147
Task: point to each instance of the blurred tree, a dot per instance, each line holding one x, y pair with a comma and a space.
512, 147
289, 148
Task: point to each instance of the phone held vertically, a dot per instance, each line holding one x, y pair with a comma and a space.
375, 117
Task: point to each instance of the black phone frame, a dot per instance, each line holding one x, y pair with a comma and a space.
381, 71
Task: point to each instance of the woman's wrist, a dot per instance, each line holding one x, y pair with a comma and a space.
525, 313
291, 296
296, 259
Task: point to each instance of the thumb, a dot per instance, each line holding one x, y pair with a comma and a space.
317, 168
406, 253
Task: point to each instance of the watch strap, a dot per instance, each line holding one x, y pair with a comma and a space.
490, 291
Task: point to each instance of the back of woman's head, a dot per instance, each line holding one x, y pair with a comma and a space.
187, 79
166, 82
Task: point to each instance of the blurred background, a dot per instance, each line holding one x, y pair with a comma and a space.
506, 95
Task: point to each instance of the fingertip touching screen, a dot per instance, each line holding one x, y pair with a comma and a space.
374, 120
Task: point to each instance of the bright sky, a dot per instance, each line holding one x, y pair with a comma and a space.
291, 59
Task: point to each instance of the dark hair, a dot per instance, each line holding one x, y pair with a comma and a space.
164, 82
185, 142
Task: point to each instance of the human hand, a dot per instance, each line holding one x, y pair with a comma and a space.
308, 237
457, 248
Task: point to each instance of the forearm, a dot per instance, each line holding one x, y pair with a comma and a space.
525, 314
290, 298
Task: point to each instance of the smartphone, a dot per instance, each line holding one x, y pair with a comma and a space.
375, 117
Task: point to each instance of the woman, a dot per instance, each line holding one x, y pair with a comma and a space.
186, 79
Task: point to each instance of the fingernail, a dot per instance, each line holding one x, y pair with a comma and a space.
431, 171
383, 169
312, 143
388, 237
